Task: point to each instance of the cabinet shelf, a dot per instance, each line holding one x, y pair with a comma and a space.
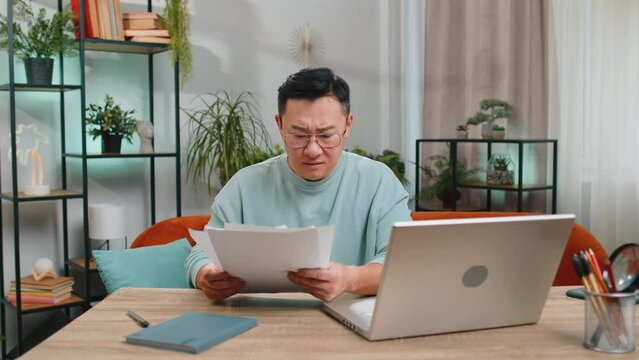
524, 187
519, 188
74, 300
78, 264
45, 88
123, 46
55, 194
123, 155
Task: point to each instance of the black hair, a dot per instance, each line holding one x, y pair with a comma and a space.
312, 84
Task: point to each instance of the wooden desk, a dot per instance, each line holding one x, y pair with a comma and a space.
291, 326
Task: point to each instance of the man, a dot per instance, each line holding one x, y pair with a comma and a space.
314, 183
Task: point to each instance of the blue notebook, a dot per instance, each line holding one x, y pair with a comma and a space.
191, 332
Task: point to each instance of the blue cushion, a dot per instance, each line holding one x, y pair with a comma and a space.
160, 266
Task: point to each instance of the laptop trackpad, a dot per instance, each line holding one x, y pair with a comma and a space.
357, 311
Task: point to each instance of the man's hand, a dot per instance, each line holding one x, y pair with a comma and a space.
327, 284
216, 284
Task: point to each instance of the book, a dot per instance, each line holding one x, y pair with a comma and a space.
44, 284
27, 299
191, 332
118, 19
142, 24
141, 15
151, 32
151, 39
88, 19
43, 293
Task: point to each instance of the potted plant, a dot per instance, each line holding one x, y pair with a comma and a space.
37, 38
490, 110
111, 123
499, 172
225, 136
439, 177
388, 157
462, 131
177, 20
499, 132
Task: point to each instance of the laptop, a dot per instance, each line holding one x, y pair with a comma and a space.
454, 275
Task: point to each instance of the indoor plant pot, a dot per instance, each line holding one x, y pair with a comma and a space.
37, 38
111, 123
39, 70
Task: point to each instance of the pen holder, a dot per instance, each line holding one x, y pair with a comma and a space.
610, 322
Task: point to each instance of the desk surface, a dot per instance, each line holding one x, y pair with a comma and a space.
291, 326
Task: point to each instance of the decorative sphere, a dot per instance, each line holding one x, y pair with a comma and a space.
43, 265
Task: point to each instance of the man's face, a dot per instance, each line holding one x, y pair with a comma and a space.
323, 117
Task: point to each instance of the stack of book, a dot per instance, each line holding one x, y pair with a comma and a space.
145, 27
102, 19
45, 291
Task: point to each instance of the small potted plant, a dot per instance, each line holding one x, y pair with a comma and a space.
439, 179
499, 172
462, 131
499, 132
490, 110
37, 38
111, 123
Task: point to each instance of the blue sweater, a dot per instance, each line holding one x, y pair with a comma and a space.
361, 197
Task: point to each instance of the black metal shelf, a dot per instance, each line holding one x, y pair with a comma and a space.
55, 194
519, 188
119, 46
122, 155
42, 88
73, 301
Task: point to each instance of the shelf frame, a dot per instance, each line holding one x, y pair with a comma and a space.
519, 187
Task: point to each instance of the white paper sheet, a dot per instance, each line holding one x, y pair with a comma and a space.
261, 256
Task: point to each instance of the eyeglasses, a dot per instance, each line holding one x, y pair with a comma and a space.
325, 141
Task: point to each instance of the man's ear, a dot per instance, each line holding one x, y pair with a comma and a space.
278, 120
349, 125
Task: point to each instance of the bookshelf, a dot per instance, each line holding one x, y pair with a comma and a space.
519, 187
78, 197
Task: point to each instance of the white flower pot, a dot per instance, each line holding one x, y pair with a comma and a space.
499, 134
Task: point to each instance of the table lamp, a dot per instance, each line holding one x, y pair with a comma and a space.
106, 222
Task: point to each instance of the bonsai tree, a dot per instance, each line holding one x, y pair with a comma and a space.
498, 128
491, 110
388, 157
37, 38
440, 178
111, 122
225, 136
462, 127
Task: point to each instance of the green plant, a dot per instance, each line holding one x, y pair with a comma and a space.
501, 163
110, 119
36, 35
225, 136
498, 128
439, 176
177, 20
462, 127
491, 110
390, 158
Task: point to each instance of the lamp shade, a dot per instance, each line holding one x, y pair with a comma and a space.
106, 221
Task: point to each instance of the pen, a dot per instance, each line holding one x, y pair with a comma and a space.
138, 319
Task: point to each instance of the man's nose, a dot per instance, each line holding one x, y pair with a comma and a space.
313, 148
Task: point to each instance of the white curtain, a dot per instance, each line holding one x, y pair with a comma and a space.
594, 112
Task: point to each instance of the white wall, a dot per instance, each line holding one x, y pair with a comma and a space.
237, 45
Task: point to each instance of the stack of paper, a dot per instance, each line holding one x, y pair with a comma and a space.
45, 291
262, 256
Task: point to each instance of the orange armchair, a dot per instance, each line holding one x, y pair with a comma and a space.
173, 229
